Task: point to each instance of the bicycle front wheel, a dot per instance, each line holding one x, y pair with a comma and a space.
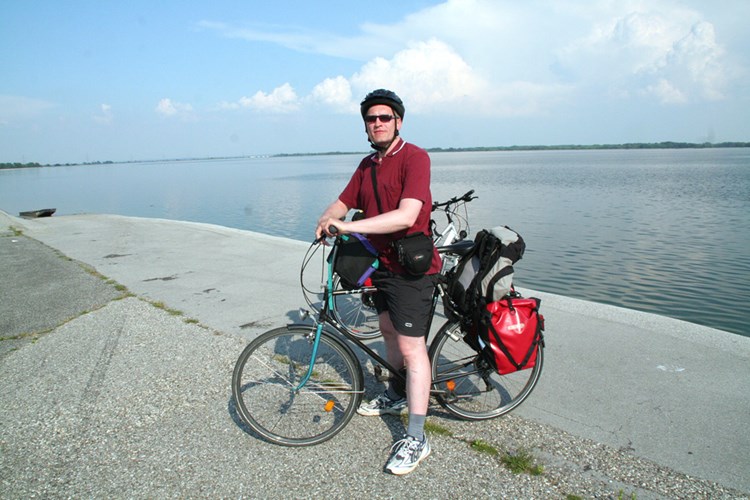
468, 386
265, 383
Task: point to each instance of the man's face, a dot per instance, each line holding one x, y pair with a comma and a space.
379, 131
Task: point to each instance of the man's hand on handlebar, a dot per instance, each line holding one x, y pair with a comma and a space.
330, 228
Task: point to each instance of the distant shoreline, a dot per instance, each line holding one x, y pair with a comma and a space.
559, 147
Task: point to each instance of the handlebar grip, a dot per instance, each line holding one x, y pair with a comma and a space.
331, 229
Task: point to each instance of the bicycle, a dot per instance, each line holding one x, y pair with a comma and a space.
354, 309
300, 384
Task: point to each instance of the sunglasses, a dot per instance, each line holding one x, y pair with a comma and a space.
382, 118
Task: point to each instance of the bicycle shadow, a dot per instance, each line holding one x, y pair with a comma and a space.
235, 416
374, 385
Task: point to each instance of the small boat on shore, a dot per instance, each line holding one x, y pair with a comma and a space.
35, 214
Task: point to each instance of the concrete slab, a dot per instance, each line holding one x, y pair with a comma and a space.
671, 391
664, 404
42, 289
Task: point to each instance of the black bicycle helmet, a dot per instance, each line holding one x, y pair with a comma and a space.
383, 96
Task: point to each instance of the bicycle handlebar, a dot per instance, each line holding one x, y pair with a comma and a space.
467, 197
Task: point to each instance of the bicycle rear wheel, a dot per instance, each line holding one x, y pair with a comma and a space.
271, 367
355, 312
468, 386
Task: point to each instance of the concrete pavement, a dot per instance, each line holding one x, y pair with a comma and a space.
130, 400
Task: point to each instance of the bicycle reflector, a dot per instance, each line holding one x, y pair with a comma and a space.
329, 405
451, 385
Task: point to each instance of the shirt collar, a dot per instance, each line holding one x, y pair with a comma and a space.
399, 146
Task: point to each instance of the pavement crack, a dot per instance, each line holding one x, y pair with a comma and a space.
95, 381
116, 255
164, 278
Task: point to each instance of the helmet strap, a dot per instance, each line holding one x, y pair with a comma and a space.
383, 149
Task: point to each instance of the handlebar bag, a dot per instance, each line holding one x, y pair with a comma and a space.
355, 260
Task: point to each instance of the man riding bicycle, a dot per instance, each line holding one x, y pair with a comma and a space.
400, 206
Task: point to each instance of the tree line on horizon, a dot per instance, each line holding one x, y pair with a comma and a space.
561, 147
634, 145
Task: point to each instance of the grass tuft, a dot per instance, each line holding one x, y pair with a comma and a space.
521, 461
436, 429
162, 306
484, 447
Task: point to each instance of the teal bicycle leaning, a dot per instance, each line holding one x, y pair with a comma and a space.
300, 384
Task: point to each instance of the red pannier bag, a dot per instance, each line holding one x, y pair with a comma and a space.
513, 331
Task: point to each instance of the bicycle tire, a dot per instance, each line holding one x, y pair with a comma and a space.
271, 367
480, 393
355, 313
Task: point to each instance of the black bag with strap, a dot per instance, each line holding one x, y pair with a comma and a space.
485, 274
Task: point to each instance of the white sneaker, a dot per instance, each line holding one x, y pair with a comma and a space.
406, 455
382, 405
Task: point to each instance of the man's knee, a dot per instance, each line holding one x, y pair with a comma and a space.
412, 348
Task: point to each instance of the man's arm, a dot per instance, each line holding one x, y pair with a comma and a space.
402, 218
335, 211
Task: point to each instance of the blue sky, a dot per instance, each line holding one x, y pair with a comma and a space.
103, 80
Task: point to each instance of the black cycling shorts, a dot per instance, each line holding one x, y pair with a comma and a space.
407, 299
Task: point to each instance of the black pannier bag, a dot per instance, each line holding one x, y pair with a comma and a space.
356, 260
485, 274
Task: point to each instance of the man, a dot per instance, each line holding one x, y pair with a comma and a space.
403, 301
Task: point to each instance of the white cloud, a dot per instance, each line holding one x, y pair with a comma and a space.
167, 107
302, 40
505, 58
696, 59
666, 92
335, 92
427, 75
653, 49
282, 99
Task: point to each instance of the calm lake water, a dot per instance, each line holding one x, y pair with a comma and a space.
662, 231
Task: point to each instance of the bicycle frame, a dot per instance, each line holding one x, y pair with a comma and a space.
324, 317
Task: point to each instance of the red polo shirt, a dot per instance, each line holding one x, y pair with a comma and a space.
402, 173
